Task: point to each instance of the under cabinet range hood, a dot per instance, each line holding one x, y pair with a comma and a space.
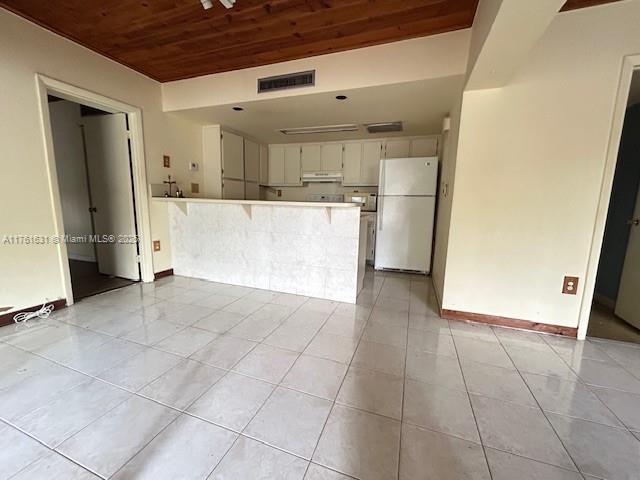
322, 177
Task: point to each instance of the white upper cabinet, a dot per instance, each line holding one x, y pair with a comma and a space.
331, 157
424, 147
310, 158
358, 160
232, 156
352, 163
292, 173
371, 155
251, 161
397, 148
284, 165
264, 165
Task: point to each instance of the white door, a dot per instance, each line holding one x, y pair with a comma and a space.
276, 165
628, 301
331, 157
109, 171
424, 147
232, 156
310, 158
409, 176
352, 161
232, 189
371, 155
292, 175
397, 148
251, 161
404, 233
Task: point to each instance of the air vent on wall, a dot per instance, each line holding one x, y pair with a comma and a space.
290, 80
384, 127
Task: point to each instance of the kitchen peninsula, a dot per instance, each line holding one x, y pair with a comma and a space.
304, 248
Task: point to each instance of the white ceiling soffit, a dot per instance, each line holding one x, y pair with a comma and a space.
420, 106
503, 32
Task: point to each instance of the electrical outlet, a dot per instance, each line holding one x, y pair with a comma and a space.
195, 188
279, 193
166, 161
570, 285
156, 245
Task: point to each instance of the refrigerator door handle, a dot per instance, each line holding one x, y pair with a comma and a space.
380, 208
381, 178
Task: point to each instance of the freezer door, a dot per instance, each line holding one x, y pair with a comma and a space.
409, 176
404, 233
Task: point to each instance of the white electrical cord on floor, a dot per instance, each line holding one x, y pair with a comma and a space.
43, 312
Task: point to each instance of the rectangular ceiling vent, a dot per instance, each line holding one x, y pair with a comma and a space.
290, 80
384, 127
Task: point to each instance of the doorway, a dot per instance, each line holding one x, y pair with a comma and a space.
615, 310
93, 166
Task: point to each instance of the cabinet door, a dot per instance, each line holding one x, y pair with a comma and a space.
251, 191
310, 158
232, 156
352, 163
424, 147
399, 148
264, 165
331, 157
371, 239
371, 154
292, 175
251, 160
232, 189
276, 165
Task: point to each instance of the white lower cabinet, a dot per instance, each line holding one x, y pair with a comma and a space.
233, 189
251, 191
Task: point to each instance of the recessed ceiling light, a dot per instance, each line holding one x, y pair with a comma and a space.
341, 97
238, 109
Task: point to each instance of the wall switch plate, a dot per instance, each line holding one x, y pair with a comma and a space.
195, 188
166, 161
570, 285
156, 245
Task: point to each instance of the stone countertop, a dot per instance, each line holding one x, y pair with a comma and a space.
257, 202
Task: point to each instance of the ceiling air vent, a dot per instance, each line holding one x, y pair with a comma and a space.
384, 127
290, 80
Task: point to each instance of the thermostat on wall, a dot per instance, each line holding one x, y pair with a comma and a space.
193, 167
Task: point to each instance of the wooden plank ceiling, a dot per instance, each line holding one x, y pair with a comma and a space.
176, 39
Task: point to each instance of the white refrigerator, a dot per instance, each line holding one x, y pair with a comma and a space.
406, 211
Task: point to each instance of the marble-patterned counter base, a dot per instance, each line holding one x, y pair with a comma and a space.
305, 250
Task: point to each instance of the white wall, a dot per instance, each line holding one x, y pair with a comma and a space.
529, 170
72, 176
406, 61
31, 274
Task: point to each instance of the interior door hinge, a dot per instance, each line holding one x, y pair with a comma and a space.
138, 259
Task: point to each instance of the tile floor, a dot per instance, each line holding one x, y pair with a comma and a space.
195, 380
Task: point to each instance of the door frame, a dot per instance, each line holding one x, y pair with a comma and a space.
48, 86
629, 64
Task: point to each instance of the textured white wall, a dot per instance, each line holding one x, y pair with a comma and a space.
282, 248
